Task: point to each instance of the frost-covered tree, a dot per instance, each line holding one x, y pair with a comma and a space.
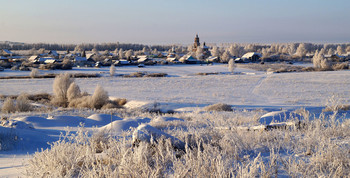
155, 51
78, 49
215, 51
348, 49
112, 70
129, 53
121, 54
225, 56
116, 52
292, 49
199, 53
94, 50
319, 61
340, 50
41, 51
144, 50
265, 53
236, 50
330, 51
301, 50
250, 48
231, 65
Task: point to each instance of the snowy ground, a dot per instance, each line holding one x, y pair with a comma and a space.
182, 90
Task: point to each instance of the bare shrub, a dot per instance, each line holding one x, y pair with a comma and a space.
99, 98
73, 92
23, 104
135, 74
207, 73
145, 74
218, 107
110, 105
60, 88
40, 97
34, 73
8, 106
156, 75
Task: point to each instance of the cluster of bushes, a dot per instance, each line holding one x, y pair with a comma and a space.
20, 104
68, 94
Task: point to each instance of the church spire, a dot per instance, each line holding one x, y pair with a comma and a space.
196, 42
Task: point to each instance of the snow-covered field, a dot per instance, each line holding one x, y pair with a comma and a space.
250, 93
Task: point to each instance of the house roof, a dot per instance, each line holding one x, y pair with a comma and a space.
50, 61
90, 55
7, 51
250, 54
142, 59
2, 57
32, 58
80, 59
171, 59
44, 59
53, 52
122, 61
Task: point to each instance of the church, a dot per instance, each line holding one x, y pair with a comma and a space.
205, 49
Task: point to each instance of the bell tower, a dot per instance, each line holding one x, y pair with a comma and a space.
196, 42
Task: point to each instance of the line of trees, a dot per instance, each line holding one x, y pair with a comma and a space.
88, 46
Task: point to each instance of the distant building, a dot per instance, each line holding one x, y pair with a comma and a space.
197, 44
6, 52
251, 57
33, 58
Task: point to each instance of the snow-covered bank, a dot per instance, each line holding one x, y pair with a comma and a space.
286, 89
251, 95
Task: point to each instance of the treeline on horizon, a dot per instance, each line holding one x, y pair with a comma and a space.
87, 46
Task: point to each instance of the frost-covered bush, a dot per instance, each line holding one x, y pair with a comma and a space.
8, 106
96, 101
231, 65
99, 98
23, 104
112, 70
60, 88
34, 73
73, 92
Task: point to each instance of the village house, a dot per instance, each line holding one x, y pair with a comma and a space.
6, 53
251, 57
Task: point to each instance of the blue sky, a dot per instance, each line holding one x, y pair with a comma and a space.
175, 22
